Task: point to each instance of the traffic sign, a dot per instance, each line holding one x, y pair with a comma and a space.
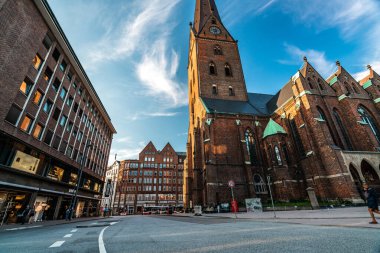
231, 183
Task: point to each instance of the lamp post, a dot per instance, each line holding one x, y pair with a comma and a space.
74, 197
271, 196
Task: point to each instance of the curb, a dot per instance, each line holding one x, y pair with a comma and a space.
94, 225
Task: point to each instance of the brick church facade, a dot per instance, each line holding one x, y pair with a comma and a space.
316, 134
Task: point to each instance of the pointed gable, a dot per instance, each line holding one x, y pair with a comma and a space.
273, 128
168, 149
149, 148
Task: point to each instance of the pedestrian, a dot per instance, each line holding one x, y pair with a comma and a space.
31, 216
372, 202
105, 211
25, 214
68, 213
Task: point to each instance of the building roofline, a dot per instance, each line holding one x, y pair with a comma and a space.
55, 27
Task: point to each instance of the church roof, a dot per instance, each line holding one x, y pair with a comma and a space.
273, 128
204, 9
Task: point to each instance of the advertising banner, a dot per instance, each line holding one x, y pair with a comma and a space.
253, 205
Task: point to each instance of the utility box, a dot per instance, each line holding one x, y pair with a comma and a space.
198, 210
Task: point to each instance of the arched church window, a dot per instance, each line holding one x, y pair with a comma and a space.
212, 68
367, 118
342, 129
278, 155
251, 147
354, 88
259, 184
348, 89
310, 84
227, 70
231, 91
297, 137
218, 50
323, 117
214, 90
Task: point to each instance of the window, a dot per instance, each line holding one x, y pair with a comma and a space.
323, 117
75, 86
47, 42
73, 179
75, 109
37, 97
342, 129
56, 173
297, 138
348, 88
69, 126
56, 113
37, 62
13, 114
63, 120
218, 50
231, 91
69, 151
63, 93
79, 136
75, 131
75, 154
213, 21
259, 184
310, 83
26, 124
251, 147
56, 142
227, 70
286, 154
320, 84
80, 113
37, 133
212, 68
354, 88
48, 74
48, 137
56, 84
367, 118
80, 91
214, 90
63, 146
56, 54
63, 65
69, 101
278, 155
26, 86
48, 105
69, 76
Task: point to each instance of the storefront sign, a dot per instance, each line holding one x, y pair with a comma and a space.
25, 162
253, 205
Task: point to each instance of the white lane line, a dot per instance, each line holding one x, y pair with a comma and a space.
68, 236
74, 230
102, 248
22, 228
113, 223
57, 244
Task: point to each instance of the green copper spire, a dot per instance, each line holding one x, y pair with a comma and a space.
272, 129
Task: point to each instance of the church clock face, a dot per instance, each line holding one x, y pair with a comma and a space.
215, 30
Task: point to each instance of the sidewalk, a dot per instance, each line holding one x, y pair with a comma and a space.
340, 217
18, 226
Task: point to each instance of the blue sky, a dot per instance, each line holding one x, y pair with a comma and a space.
135, 53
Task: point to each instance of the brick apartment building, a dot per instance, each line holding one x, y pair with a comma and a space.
155, 179
49, 112
314, 134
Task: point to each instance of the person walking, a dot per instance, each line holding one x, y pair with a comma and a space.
68, 213
372, 202
25, 214
105, 211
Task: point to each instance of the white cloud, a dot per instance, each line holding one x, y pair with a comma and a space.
317, 58
360, 75
151, 18
145, 115
157, 75
130, 151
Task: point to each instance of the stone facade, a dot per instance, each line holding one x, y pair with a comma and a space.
327, 130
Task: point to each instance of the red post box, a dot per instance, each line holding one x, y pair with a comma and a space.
234, 206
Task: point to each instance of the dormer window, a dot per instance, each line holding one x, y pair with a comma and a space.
218, 50
227, 70
212, 68
214, 90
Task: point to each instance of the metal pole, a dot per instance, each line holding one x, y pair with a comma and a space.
270, 192
6, 212
233, 200
74, 197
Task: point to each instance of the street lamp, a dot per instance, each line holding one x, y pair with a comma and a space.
74, 197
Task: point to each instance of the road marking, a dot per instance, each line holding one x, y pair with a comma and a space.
22, 228
68, 236
102, 248
74, 230
57, 244
113, 223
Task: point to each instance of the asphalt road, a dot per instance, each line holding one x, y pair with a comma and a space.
189, 234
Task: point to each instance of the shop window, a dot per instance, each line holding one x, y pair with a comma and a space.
48, 74
37, 62
56, 173
48, 137
56, 113
26, 86
69, 101
63, 65
26, 123
87, 184
63, 120
48, 105
56, 84
56, 54
63, 93
37, 97
37, 133
13, 114
47, 42
25, 162
73, 179
56, 142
